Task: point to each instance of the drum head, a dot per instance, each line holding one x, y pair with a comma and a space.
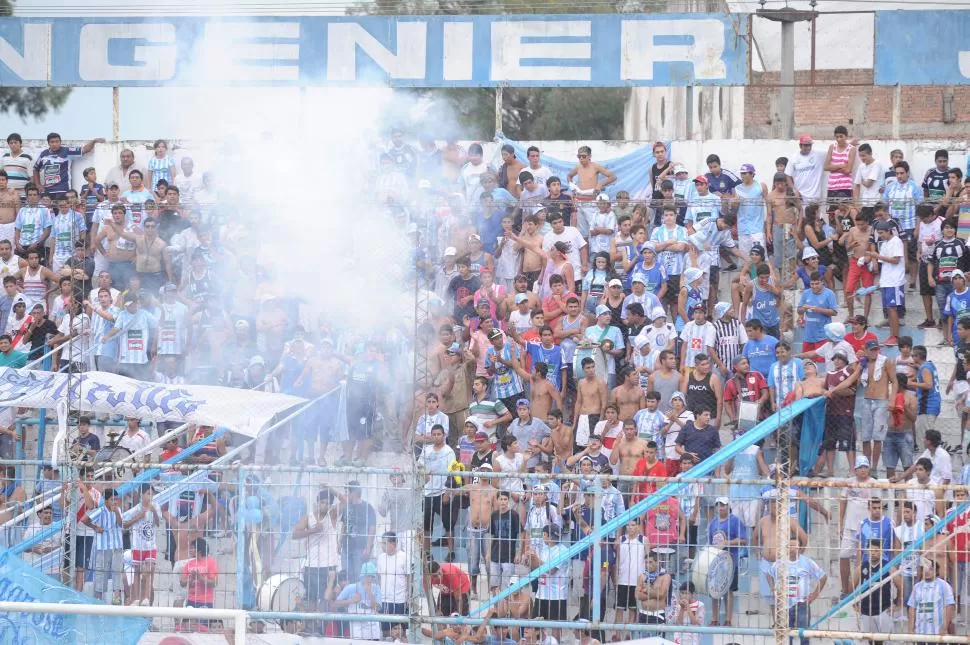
712, 572
281, 593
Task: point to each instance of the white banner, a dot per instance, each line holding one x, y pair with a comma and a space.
244, 411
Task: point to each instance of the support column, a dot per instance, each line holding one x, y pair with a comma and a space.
499, 96
115, 114
786, 95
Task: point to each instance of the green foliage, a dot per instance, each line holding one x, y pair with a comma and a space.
29, 101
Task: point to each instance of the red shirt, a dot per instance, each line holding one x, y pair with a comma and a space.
549, 303
453, 579
961, 527
641, 470
858, 344
197, 590
748, 389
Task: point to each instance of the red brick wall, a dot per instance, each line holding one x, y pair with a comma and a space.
847, 97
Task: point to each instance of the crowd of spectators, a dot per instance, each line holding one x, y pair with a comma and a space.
572, 330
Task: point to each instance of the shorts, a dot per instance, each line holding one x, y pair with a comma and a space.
715, 277
878, 624
856, 275
924, 422
849, 547
500, 574
432, 507
924, 286
531, 277
764, 588
148, 555
450, 603
652, 617
893, 297
746, 241
360, 420
324, 416
898, 448
874, 422
734, 578
673, 290
549, 609
83, 546
626, 597
839, 196
315, 580
839, 433
910, 239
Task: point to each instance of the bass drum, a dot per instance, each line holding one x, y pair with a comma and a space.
113, 454
599, 358
747, 415
281, 592
712, 572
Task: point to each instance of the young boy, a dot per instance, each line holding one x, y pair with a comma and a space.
108, 546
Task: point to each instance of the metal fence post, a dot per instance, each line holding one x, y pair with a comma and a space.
240, 538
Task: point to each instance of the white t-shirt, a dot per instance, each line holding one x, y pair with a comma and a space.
806, 173
924, 498
78, 347
322, 549
828, 350
134, 442
869, 195
571, 235
521, 322
697, 338
555, 584
630, 561
857, 504
436, 461
942, 465
906, 535
143, 531
392, 571
892, 275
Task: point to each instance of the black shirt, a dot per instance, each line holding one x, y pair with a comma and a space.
38, 337
504, 529
877, 601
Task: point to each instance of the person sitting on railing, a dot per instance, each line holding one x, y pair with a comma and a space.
35, 554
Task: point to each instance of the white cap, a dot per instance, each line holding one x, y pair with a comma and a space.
722, 500
809, 252
657, 312
602, 197
679, 168
451, 251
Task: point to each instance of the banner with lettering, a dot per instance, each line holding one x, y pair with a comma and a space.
244, 411
22, 583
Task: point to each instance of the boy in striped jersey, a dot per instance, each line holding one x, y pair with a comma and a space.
108, 546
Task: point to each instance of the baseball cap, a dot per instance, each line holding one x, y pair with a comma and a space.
602, 309
958, 272
757, 248
648, 246
861, 461
747, 167
700, 179
679, 168
257, 360
481, 435
698, 307
872, 344
780, 176
520, 298
720, 309
450, 251
615, 282
885, 225
523, 403
495, 333
858, 319
368, 569
722, 500
805, 138
602, 197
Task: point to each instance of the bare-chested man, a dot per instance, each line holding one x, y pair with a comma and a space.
589, 186
591, 401
324, 370
481, 503
627, 396
562, 439
9, 205
766, 537
653, 589
530, 241
451, 386
857, 241
115, 248
878, 378
512, 167
544, 391
627, 452
521, 286
186, 529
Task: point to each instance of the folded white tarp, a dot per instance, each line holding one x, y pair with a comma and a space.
244, 411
